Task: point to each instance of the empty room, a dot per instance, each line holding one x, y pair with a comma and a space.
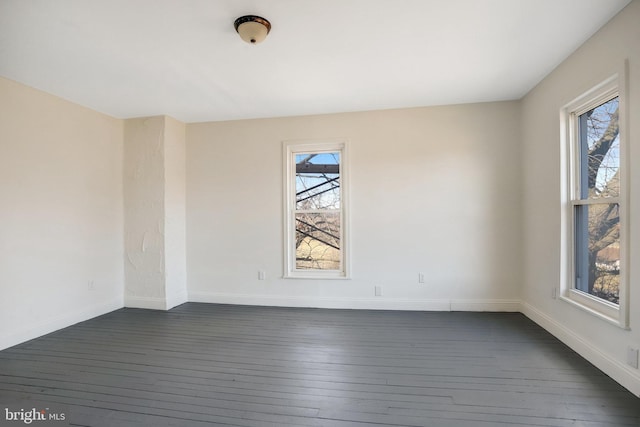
320, 213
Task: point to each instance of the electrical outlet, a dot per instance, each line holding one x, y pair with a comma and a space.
378, 291
261, 274
554, 292
632, 357
90, 285
420, 277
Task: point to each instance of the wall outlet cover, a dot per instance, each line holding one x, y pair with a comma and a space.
632, 357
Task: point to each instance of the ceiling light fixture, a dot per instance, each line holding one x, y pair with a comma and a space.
252, 29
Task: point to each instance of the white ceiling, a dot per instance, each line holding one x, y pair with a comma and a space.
132, 58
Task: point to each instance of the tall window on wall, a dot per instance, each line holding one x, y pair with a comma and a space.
596, 202
316, 210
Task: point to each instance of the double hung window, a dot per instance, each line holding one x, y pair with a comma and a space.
315, 193
596, 202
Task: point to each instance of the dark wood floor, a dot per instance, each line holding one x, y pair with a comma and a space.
207, 364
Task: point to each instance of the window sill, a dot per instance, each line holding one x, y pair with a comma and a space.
604, 310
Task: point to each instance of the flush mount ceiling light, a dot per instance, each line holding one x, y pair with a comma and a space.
252, 29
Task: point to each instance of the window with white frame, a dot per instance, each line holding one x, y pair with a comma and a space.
596, 203
316, 210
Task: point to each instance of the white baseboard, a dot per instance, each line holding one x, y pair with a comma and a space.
149, 303
503, 305
176, 298
320, 302
620, 372
53, 324
357, 303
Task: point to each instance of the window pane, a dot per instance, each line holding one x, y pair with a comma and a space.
598, 250
600, 152
317, 181
318, 241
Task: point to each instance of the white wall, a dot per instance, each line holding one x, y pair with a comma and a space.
60, 213
433, 190
175, 211
602, 343
154, 201
144, 212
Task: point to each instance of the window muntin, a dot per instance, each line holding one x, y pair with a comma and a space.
315, 210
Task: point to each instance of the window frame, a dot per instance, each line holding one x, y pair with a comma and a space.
290, 149
601, 93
